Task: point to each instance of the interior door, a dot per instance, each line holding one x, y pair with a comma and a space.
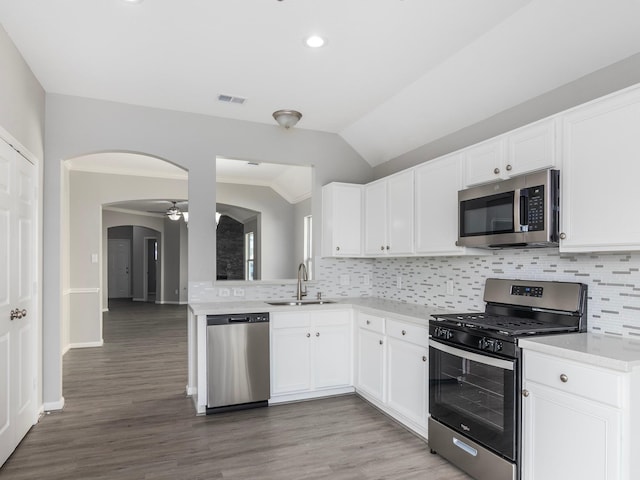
17, 284
119, 268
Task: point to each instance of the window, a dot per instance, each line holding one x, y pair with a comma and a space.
308, 245
249, 255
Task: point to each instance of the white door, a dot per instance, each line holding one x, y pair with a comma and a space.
119, 268
17, 267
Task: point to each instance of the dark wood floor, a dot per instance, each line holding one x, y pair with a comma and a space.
127, 417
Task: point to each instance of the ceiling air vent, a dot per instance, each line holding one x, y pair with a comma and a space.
231, 99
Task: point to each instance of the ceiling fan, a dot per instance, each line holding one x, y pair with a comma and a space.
174, 212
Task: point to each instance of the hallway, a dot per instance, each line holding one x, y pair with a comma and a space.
127, 417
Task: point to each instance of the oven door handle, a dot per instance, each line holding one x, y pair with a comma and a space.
475, 357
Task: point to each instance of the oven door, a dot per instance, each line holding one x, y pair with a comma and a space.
475, 394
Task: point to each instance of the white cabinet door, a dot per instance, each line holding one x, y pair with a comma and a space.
17, 276
436, 198
407, 379
531, 148
341, 220
527, 149
483, 162
375, 218
332, 364
290, 353
371, 363
400, 218
566, 436
601, 148
389, 218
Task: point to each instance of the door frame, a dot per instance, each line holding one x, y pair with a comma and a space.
145, 280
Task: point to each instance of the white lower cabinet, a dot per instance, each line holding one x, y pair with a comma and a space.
311, 354
407, 371
393, 368
577, 421
371, 356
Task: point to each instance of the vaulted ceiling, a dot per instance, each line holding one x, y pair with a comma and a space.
393, 75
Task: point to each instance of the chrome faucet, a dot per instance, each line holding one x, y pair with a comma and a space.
302, 276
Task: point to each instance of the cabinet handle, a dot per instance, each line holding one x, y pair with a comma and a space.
317, 334
368, 322
563, 236
509, 167
424, 359
308, 335
525, 393
496, 170
337, 249
564, 378
404, 332
380, 342
381, 247
388, 248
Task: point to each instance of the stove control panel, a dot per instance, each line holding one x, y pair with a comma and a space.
525, 291
490, 344
442, 332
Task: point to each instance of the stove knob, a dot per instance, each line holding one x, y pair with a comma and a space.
449, 334
498, 346
482, 343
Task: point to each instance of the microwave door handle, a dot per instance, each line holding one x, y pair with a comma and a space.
524, 209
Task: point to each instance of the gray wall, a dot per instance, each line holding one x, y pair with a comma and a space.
276, 226
22, 120
138, 259
173, 260
78, 126
597, 84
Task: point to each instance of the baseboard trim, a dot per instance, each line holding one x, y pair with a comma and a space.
86, 344
53, 406
138, 299
296, 397
171, 302
66, 348
191, 391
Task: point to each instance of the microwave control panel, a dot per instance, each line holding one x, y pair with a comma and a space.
535, 200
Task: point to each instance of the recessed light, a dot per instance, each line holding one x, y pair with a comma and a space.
314, 41
132, 1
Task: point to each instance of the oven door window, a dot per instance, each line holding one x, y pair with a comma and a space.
489, 215
475, 395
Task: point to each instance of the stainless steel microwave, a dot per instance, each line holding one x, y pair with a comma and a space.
520, 212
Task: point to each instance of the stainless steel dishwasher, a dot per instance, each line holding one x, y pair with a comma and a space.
237, 361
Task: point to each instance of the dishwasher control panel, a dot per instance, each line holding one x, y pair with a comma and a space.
227, 319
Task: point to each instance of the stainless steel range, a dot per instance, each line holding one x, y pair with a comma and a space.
475, 370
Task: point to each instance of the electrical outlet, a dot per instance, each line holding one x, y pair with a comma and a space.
366, 280
238, 292
94, 258
224, 292
399, 282
449, 287
344, 280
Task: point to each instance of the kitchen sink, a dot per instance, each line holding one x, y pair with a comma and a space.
298, 303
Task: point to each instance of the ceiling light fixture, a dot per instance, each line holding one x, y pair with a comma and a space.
174, 212
132, 1
287, 118
314, 41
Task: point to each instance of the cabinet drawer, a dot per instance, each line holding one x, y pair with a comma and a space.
408, 332
371, 322
289, 320
565, 375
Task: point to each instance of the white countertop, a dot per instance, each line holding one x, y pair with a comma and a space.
607, 351
409, 312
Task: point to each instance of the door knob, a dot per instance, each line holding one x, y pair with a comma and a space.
17, 314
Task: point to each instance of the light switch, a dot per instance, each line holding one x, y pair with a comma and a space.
94, 258
344, 280
365, 280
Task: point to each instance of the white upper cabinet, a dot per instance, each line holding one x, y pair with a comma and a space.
342, 220
389, 215
436, 201
600, 172
526, 149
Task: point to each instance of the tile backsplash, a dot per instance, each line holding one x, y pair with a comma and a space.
613, 280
